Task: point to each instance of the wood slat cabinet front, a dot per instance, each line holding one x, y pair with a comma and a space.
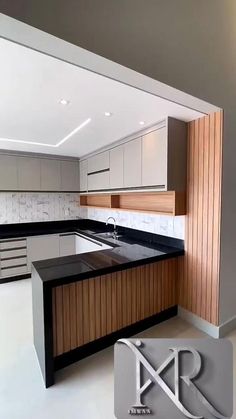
108, 303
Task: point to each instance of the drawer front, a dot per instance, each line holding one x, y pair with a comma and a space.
12, 244
13, 253
20, 270
13, 262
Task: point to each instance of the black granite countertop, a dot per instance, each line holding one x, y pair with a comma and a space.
126, 252
9, 231
133, 248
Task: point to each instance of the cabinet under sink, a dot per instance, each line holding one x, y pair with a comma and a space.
76, 243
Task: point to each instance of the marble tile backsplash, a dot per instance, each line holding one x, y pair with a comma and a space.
29, 207
159, 224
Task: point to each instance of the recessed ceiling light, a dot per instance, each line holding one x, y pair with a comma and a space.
107, 113
141, 122
64, 102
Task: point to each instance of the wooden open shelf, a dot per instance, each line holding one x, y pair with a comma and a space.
170, 203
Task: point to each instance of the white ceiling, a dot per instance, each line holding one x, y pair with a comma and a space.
31, 86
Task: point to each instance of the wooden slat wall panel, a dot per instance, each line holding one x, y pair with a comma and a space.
87, 310
199, 268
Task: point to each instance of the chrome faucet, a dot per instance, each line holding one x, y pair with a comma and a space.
114, 232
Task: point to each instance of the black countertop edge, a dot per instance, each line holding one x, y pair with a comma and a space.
107, 270
10, 231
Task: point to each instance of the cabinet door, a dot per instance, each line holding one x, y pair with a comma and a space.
42, 247
8, 173
117, 167
28, 173
154, 158
83, 175
132, 163
98, 162
98, 181
50, 175
69, 175
67, 245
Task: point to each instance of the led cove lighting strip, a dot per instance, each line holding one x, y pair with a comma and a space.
86, 122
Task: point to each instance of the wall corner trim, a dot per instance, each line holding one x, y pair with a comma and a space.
206, 327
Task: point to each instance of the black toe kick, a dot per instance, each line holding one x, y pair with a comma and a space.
90, 348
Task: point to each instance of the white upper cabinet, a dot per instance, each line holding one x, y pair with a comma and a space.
70, 175
98, 162
98, 172
83, 175
28, 174
154, 158
132, 163
50, 175
117, 167
98, 181
8, 173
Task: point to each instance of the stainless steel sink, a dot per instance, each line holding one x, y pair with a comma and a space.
108, 235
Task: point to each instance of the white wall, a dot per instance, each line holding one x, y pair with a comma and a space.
158, 224
28, 207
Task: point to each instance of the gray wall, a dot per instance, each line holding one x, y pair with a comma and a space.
188, 44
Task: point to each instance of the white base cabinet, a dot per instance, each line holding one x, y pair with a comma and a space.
13, 257
67, 244
85, 244
17, 255
42, 247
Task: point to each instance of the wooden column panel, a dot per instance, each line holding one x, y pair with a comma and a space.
199, 268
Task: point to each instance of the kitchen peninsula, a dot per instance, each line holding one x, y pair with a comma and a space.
85, 302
